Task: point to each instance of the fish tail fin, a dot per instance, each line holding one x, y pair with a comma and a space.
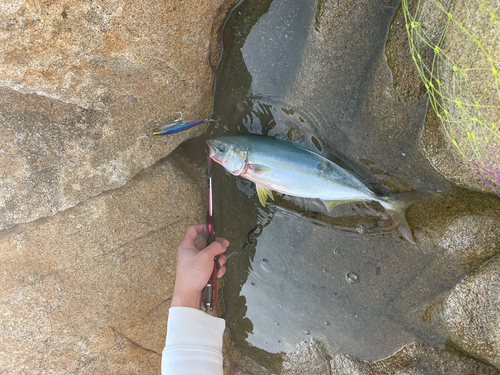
396, 207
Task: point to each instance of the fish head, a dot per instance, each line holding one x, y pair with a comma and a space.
231, 156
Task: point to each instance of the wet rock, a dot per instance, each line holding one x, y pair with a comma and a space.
235, 363
471, 314
309, 358
217, 28
446, 158
88, 289
464, 223
82, 84
414, 359
339, 86
344, 82
407, 84
324, 59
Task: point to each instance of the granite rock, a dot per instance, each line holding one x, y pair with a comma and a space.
308, 358
235, 363
88, 289
82, 84
415, 359
464, 223
471, 314
462, 134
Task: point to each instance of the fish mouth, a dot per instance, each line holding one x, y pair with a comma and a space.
211, 150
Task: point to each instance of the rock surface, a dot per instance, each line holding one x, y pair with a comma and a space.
82, 84
471, 314
87, 276
89, 219
340, 86
235, 363
415, 359
446, 158
465, 224
309, 358
88, 290
464, 87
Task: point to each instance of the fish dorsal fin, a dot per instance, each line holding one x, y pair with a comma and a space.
262, 193
330, 204
258, 168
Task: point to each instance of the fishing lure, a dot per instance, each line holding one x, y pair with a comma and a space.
177, 126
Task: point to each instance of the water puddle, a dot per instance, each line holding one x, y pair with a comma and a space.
315, 72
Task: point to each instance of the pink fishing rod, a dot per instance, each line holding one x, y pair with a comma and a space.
209, 294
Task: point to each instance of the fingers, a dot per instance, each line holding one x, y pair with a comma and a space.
192, 233
222, 241
222, 260
221, 272
203, 243
216, 248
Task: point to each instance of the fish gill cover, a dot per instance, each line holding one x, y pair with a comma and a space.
455, 45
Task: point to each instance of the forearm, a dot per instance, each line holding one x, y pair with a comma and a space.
193, 344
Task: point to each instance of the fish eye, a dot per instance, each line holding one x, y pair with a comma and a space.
221, 148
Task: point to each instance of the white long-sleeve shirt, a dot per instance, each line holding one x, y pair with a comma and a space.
194, 343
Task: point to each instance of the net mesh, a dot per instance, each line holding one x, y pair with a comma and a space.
456, 48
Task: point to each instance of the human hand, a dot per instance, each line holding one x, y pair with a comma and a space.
195, 263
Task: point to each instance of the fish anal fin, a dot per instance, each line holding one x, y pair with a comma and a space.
270, 193
330, 204
262, 193
258, 168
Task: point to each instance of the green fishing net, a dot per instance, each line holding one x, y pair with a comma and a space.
456, 47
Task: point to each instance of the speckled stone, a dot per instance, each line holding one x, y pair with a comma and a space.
235, 363
82, 84
309, 358
88, 289
471, 314
464, 223
478, 84
415, 359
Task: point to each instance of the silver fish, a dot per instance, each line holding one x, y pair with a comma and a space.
285, 167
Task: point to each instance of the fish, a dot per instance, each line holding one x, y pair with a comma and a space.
285, 167
177, 126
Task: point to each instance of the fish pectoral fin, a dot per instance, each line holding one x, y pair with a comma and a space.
262, 193
259, 168
330, 204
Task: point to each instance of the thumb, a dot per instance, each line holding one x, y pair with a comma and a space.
214, 249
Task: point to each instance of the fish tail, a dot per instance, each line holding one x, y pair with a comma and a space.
396, 207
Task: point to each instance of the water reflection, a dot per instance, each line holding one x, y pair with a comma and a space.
298, 280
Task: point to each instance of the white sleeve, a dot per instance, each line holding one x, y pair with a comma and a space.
194, 343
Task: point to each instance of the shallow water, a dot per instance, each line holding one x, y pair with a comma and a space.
316, 72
